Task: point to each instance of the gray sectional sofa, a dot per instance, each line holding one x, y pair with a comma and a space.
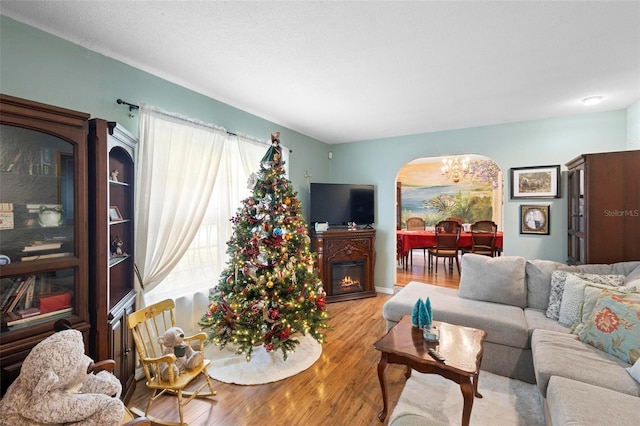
508, 297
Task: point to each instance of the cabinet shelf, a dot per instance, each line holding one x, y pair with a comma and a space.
112, 149
115, 259
43, 158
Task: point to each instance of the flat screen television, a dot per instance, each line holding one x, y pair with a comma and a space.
338, 204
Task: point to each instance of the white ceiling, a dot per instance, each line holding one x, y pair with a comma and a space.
343, 71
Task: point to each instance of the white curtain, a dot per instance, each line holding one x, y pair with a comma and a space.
215, 182
176, 171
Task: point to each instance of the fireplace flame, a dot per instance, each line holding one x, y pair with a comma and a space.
347, 282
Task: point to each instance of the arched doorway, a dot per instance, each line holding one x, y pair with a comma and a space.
466, 186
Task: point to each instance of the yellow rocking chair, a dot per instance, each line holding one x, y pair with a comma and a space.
147, 325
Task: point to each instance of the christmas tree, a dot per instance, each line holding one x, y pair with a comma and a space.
269, 292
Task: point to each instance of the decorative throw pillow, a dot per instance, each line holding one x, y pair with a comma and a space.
634, 370
614, 326
572, 298
591, 295
558, 279
633, 279
555, 295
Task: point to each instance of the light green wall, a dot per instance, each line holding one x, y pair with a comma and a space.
38, 66
633, 126
533, 143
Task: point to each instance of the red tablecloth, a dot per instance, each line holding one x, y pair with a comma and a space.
408, 240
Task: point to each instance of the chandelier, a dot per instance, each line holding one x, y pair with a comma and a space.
454, 169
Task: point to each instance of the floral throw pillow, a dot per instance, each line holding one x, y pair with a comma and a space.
614, 326
559, 278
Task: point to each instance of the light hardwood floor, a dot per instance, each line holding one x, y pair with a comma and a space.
341, 388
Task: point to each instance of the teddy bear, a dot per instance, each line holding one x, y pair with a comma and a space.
187, 358
54, 387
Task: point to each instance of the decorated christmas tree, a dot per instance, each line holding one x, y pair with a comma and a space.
269, 292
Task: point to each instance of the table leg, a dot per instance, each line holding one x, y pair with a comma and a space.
382, 366
467, 394
475, 385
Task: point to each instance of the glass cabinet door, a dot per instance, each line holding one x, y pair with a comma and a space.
37, 227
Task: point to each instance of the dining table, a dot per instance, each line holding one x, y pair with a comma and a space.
409, 240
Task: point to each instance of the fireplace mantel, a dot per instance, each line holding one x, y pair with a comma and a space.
340, 247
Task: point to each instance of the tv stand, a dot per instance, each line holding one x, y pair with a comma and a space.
346, 262
368, 226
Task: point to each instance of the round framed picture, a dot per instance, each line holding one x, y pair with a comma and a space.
534, 219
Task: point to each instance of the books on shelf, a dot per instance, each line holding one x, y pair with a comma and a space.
9, 293
6, 215
35, 208
13, 318
25, 288
45, 256
43, 245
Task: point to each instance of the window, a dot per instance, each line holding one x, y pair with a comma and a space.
200, 267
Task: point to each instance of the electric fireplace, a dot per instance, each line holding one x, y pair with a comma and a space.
346, 262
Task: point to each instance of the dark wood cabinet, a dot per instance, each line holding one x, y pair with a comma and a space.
112, 294
604, 207
43, 226
346, 261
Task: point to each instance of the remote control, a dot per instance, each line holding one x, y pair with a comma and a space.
436, 355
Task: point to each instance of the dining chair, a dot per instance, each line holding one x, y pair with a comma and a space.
416, 224
447, 243
483, 237
456, 218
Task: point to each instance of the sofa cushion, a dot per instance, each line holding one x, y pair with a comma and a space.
494, 279
614, 325
539, 281
571, 402
504, 324
539, 277
561, 354
591, 294
572, 298
633, 278
558, 279
574, 294
537, 319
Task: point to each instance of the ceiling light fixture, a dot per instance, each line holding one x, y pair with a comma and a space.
454, 169
592, 100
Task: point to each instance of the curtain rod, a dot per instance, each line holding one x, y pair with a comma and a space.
131, 106
134, 107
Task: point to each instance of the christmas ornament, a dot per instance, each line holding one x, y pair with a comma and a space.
269, 293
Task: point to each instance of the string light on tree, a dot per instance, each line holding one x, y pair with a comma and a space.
269, 293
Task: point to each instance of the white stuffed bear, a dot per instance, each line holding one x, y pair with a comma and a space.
174, 338
55, 388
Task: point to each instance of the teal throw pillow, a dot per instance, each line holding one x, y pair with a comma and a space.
614, 326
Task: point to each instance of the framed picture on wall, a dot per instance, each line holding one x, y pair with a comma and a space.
534, 219
535, 182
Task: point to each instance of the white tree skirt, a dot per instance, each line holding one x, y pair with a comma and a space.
264, 367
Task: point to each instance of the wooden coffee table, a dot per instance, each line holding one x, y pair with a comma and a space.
460, 346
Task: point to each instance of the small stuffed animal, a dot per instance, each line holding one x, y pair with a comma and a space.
173, 342
54, 387
116, 247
